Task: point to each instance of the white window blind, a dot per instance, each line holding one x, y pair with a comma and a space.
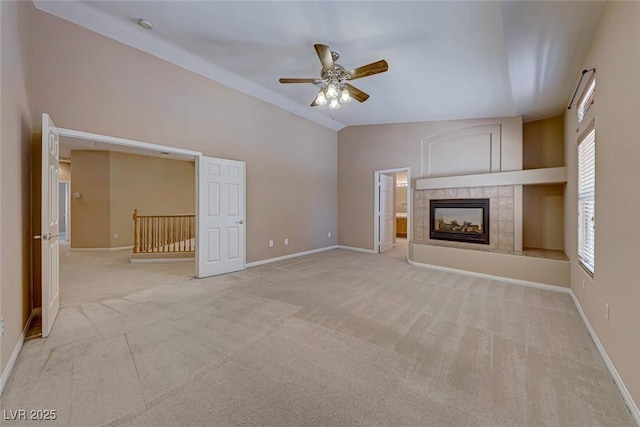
586, 200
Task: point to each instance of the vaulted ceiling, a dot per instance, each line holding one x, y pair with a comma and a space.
447, 60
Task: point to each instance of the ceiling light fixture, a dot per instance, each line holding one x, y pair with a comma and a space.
333, 85
145, 24
334, 79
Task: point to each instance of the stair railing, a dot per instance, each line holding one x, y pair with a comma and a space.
163, 233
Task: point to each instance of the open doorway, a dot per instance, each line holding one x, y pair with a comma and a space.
392, 211
220, 239
109, 184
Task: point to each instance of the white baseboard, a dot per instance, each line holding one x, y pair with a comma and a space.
14, 355
509, 280
354, 249
119, 248
282, 258
631, 405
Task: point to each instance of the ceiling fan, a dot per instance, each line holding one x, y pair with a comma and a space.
333, 81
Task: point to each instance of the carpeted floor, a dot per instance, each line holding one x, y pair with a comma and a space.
333, 339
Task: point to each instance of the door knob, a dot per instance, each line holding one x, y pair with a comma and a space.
240, 222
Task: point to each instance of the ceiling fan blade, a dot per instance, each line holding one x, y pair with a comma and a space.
369, 69
357, 94
293, 80
324, 54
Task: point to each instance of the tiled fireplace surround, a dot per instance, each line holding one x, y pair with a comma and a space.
501, 216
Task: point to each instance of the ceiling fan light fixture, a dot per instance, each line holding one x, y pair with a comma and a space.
332, 92
345, 97
321, 99
333, 83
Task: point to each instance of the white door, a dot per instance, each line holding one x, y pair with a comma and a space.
385, 211
221, 216
50, 225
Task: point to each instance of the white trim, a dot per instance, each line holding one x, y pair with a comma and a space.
512, 281
284, 257
522, 177
118, 248
354, 249
631, 405
14, 356
70, 133
160, 260
495, 145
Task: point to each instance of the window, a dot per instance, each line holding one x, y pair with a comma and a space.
587, 99
586, 200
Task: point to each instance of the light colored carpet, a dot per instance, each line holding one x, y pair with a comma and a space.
333, 339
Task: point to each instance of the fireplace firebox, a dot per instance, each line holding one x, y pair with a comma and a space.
460, 220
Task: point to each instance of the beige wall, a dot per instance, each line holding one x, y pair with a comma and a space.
364, 149
91, 83
90, 214
153, 185
543, 216
543, 205
113, 184
65, 171
616, 56
530, 269
15, 176
543, 143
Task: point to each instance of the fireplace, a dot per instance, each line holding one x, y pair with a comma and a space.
459, 220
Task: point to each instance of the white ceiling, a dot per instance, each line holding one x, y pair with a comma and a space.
447, 60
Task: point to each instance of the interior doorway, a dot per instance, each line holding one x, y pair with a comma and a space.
220, 187
392, 210
214, 180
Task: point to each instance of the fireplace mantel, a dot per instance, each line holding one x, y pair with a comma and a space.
521, 177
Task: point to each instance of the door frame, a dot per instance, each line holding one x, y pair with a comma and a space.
130, 143
376, 206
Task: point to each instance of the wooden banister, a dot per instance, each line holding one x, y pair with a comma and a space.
163, 233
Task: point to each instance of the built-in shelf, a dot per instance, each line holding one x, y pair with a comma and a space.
545, 253
521, 177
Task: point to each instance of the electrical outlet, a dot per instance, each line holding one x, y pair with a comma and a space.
329, 235
1, 326
115, 235
270, 243
606, 311
286, 242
